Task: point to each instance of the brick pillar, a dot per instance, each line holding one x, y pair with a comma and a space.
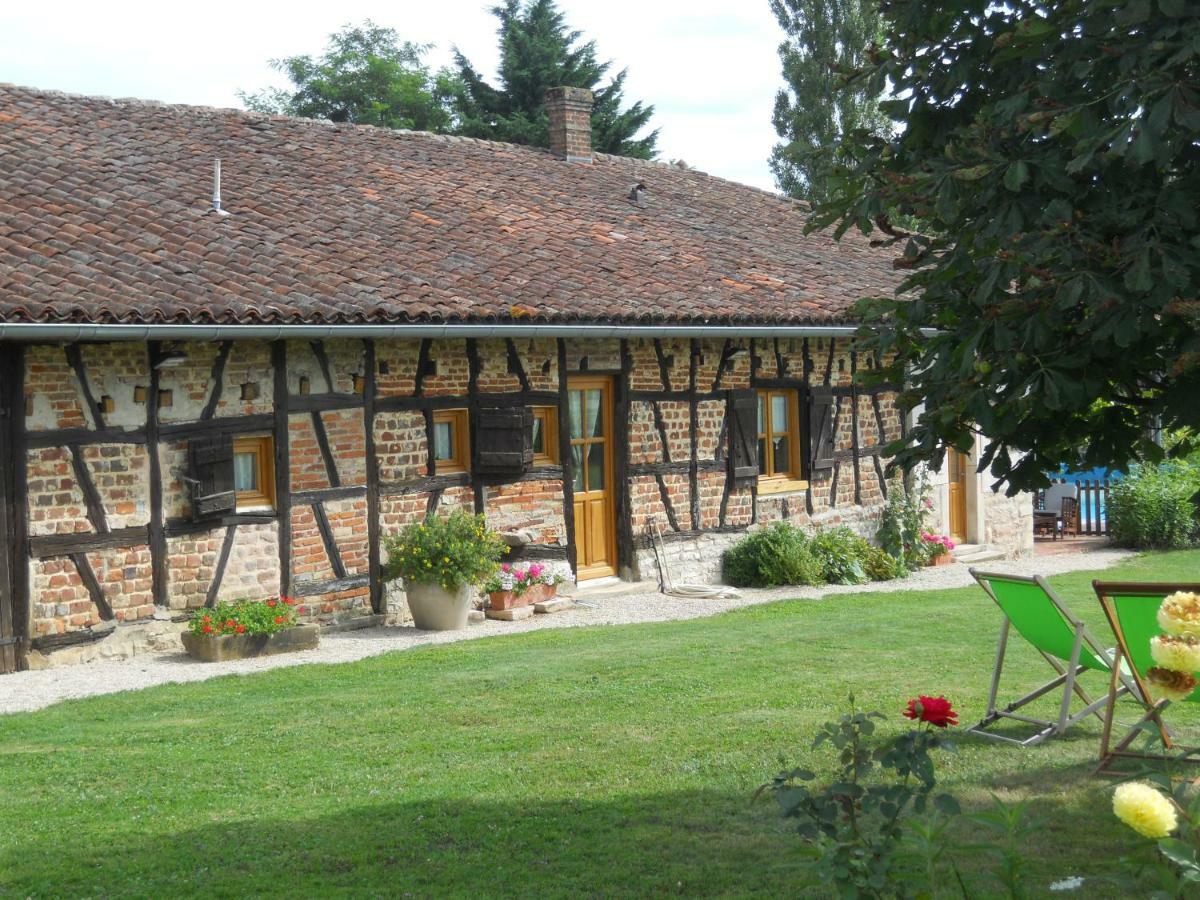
570, 112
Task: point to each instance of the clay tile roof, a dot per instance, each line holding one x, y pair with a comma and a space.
105, 218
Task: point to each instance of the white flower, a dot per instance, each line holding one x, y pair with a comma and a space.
1070, 883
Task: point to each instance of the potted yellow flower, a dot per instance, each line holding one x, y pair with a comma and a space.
442, 560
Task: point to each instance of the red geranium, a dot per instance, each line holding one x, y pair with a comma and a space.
272, 603
289, 601
230, 623
208, 629
241, 629
934, 710
279, 620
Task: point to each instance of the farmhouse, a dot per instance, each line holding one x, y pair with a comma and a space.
237, 351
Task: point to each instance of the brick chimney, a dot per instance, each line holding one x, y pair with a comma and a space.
570, 112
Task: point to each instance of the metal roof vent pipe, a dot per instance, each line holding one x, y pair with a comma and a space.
216, 197
570, 112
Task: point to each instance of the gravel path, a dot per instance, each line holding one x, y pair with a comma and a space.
24, 691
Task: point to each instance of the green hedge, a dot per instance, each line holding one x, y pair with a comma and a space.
1152, 506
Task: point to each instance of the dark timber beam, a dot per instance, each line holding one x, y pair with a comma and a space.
155, 530
283, 481
370, 396
214, 586
564, 453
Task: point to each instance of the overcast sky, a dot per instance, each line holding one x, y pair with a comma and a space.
709, 67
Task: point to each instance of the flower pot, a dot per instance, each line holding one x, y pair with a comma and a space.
221, 647
942, 559
434, 608
507, 599
540, 593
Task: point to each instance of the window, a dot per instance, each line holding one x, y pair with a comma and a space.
254, 472
451, 441
545, 436
778, 435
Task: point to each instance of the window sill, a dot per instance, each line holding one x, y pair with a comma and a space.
254, 508
774, 486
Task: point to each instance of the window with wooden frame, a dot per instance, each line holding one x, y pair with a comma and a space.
254, 472
779, 438
545, 436
451, 441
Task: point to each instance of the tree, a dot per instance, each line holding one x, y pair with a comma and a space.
366, 76
827, 40
1052, 153
538, 52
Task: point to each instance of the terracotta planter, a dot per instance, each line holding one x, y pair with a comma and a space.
942, 559
209, 648
434, 608
511, 599
507, 599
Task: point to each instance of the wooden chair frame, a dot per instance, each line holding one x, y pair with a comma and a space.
1110, 753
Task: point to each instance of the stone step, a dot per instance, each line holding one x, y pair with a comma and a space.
516, 614
968, 549
983, 555
558, 604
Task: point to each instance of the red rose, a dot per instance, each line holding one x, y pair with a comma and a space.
279, 620
272, 602
208, 629
934, 710
241, 629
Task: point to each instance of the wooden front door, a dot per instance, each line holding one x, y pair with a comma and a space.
957, 465
590, 412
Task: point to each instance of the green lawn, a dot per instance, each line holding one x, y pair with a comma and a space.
603, 761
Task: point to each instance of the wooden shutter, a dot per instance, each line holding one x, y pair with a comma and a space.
504, 441
821, 428
742, 409
210, 461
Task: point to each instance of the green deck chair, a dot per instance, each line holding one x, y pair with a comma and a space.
1132, 611
1031, 607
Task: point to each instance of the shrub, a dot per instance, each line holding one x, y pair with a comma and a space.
880, 565
451, 551
1152, 506
773, 557
244, 617
841, 554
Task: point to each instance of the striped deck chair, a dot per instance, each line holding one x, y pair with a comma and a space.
1030, 606
1132, 611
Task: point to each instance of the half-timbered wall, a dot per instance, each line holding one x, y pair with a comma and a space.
110, 539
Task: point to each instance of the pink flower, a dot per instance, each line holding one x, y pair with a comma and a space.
927, 503
506, 568
535, 571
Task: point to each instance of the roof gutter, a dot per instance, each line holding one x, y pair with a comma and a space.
68, 333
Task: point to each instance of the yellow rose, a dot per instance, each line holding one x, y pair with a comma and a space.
1180, 614
1144, 809
1178, 652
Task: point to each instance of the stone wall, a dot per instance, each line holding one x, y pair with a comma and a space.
88, 488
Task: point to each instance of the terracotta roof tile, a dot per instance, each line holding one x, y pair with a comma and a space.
104, 217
